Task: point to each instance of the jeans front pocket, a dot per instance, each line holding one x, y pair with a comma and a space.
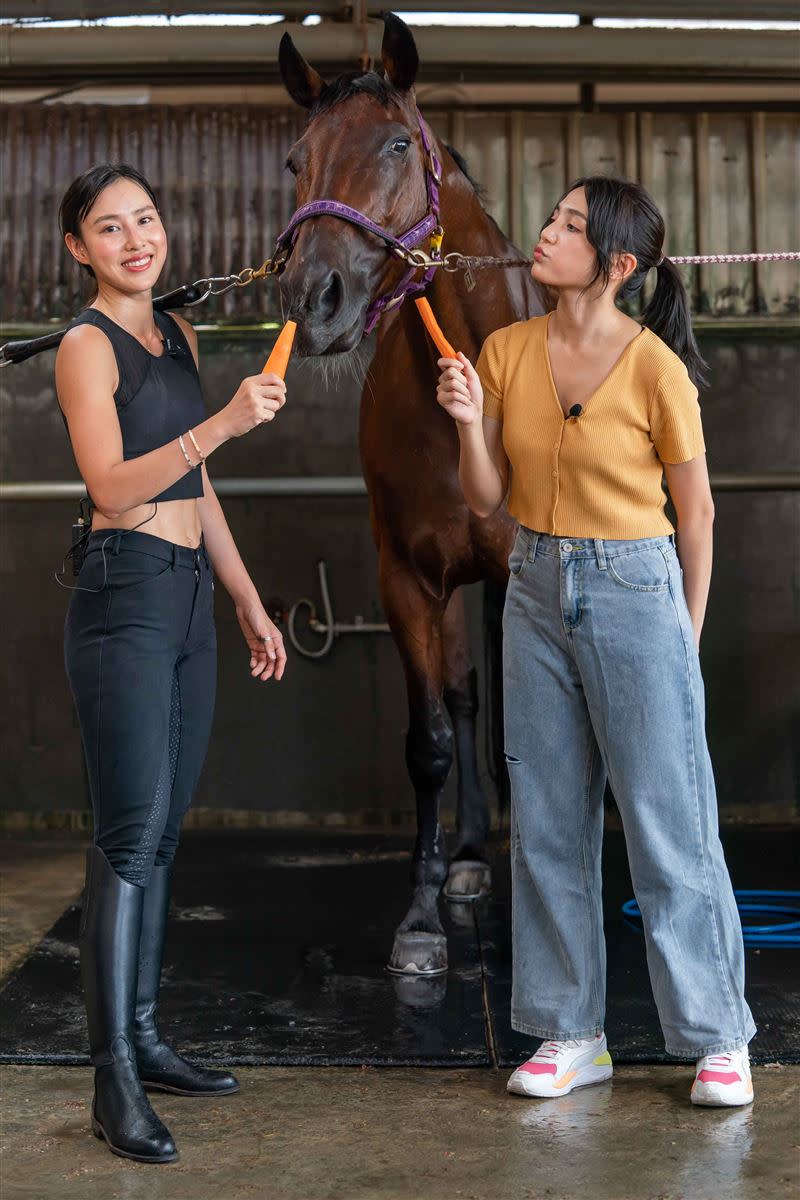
645, 570
519, 553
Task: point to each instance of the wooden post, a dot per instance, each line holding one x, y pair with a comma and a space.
516, 176
629, 155
573, 155
702, 202
758, 207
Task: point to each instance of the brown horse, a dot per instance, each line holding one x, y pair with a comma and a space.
363, 147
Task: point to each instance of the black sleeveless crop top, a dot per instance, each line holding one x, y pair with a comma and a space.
157, 398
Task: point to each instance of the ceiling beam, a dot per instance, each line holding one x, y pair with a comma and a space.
740, 10
243, 54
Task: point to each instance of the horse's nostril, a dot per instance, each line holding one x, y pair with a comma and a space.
330, 296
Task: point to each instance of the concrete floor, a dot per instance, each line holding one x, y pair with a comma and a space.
379, 1134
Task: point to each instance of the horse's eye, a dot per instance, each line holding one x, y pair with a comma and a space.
290, 166
400, 145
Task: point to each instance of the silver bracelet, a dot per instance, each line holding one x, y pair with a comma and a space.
189, 462
200, 454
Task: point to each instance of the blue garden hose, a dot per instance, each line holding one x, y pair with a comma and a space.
785, 934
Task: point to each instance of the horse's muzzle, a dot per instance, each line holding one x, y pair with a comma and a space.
328, 310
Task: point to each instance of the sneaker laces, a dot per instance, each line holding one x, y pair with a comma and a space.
553, 1049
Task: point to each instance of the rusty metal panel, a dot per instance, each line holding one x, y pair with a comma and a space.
544, 173
725, 182
729, 288
601, 144
219, 174
780, 282
670, 180
485, 148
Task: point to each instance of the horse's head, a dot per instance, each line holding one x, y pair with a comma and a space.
362, 146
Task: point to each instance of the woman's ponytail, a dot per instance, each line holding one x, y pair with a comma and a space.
669, 317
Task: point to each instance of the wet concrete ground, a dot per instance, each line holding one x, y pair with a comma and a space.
383, 1134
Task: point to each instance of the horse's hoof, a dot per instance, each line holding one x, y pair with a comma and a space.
420, 991
419, 954
468, 880
462, 915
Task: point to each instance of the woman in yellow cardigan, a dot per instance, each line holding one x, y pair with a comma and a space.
576, 417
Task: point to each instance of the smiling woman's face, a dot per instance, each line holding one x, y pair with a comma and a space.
122, 238
563, 256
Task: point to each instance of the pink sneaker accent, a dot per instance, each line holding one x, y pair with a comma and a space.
723, 1080
559, 1066
534, 1068
719, 1077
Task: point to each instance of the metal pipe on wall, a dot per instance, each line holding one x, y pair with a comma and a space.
353, 485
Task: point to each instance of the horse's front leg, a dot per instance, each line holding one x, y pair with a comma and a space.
470, 874
420, 947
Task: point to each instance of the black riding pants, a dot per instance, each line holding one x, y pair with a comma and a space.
141, 656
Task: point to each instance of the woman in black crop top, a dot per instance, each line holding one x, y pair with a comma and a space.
140, 645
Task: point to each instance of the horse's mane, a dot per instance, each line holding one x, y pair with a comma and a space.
461, 163
356, 83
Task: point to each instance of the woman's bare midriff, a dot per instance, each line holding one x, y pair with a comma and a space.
176, 521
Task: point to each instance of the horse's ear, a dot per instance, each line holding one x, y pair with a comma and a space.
399, 53
301, 81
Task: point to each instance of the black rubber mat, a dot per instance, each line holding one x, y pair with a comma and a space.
277, 948
276, 954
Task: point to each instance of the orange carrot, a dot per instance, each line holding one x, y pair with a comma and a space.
432, 326
278, 360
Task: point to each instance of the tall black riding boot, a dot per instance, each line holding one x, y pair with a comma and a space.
109, 941
159, 1065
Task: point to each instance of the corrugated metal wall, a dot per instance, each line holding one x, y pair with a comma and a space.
727, 183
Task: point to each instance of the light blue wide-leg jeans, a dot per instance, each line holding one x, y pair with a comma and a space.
602, 679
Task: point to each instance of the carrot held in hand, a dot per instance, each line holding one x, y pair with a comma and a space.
278, 360
432, 326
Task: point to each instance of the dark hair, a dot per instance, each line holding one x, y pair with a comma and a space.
624, 218
83, 191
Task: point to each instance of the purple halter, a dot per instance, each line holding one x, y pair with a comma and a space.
406, 241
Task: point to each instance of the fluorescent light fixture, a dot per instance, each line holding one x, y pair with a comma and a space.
538, 20
680, 23
464, 20
159, 20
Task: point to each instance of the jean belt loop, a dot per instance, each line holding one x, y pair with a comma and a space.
600, 551
532, 548
116, 543
174, 556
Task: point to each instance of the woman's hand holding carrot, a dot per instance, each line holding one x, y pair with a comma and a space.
260, 397
459, 392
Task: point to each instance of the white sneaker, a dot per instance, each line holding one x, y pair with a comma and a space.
558, 1067
723, 1079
